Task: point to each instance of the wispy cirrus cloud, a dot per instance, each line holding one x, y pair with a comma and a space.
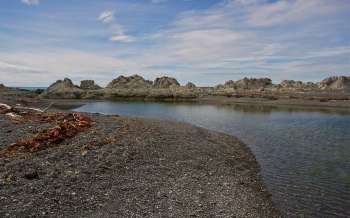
116, 29
30, 2
106, 16
259, 38
207, 45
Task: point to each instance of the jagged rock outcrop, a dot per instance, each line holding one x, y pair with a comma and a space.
134, 81
253, 83
190, 85
61, 85
165, 82
296, 85
89, 85
246, 83
229, 84
291, 84
336, 83
169, 88
63, 89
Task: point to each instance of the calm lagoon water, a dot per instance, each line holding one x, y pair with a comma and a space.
304, 155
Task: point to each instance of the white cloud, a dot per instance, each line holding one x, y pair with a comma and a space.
30, 2
117, 30
282, 12
282, 40
106, 16
122, 38
47, 66
237, 37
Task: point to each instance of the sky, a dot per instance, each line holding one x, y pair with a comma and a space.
204, 41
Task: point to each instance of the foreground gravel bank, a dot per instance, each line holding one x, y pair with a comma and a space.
131, 167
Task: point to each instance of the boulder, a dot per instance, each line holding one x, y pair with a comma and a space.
63, 89
89, 85
336, 83
165, 82
134, 81
190, 85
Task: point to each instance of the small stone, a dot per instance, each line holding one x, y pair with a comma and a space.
84, 152
31, 175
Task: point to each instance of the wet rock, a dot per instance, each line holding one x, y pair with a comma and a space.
89, 85
134, 81
165, 82
336, 83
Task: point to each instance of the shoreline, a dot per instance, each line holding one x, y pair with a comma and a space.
332, 106
124, 165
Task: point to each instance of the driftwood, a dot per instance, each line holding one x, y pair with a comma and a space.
15, 111
67, 125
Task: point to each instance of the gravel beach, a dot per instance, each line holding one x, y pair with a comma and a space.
131, 167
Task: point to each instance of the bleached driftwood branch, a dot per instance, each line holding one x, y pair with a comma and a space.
11, 111
8, 107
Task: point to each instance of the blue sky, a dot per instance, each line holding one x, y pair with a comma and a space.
204, 41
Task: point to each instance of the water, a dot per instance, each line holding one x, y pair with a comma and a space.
304, 155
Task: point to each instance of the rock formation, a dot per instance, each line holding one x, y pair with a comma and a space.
134, 81
89, 85
63, 89
336, 83
165, 82
190, 85
253, 83
228, 84
246, 83
169, 88
296, 85
291, 84
2, 87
